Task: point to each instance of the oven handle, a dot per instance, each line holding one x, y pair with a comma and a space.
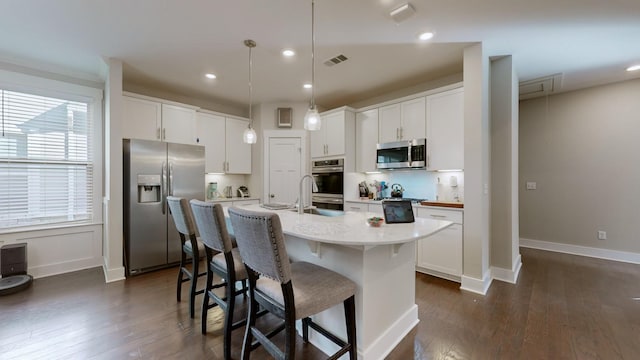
327, 200
325, 170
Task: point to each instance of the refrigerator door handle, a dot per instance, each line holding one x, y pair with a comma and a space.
170, 179
163, 189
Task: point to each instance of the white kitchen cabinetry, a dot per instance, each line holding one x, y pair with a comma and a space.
441, 253
153, 120
222, 138
403, 121
445, 130
376, 209
336, 134
178, 124
355, 206
142, 119
366, 140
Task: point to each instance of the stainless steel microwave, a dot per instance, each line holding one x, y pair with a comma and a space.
408, 154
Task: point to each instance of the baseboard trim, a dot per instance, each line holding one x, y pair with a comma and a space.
623, 256
111, 275
508, 275
478, 286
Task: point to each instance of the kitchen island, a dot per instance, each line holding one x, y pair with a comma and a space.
380, 260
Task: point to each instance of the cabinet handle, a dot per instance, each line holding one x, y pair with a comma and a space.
438, 216
164, 134
158, 133
272, 196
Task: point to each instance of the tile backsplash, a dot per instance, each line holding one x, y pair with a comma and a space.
434, 186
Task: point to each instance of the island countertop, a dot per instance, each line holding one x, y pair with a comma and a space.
352, 229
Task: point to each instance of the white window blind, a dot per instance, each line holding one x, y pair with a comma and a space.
46, 160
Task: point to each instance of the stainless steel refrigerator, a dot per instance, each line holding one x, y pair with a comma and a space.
152, 171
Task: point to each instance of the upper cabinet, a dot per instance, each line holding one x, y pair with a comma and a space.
366, 140
445, 130
142, 119
336, 134
152, 120
402, 121
222, 138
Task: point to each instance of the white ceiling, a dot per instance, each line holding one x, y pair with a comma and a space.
172, 44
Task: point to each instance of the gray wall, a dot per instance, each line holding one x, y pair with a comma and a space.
583, 150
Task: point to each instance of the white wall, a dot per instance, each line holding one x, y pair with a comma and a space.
581, 148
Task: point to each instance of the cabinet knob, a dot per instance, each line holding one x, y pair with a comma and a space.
272, 196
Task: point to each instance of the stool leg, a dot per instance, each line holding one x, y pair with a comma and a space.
251, 319
194, 284
305, 329
350, 317
180, 275
205, 301
228, 316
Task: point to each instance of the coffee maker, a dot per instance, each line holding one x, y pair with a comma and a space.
243, 192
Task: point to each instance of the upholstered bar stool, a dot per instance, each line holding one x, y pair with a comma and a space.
289, 291
191, 247
223, 260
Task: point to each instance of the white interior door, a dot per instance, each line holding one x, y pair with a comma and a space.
284, 169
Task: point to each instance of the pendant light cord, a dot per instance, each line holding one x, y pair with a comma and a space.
250, 87
313, 63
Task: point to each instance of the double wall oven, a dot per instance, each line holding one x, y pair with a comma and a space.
329, 176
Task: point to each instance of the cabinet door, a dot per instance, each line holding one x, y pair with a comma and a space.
211, 134
445, 130
238, 153
141, 119
366, 140
414, 120
442, 251
355, 206
334, 133
178, 124
389, 119
318, 144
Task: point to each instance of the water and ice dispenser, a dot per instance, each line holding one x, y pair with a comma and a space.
149, 188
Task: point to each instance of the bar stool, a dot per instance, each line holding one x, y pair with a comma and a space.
223, 260
289, 291
191, 247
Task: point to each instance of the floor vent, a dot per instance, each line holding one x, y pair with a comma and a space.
546, 85
336, 60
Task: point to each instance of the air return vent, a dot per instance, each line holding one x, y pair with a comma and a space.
336, 60
540, 87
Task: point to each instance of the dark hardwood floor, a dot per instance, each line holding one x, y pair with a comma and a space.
563, 307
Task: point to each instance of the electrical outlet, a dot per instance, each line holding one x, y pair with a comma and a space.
602, 235
531, 185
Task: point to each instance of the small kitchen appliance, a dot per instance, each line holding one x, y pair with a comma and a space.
243, 192
396, 191
228, 191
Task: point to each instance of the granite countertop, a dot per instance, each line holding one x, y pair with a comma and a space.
431, 204
351, 228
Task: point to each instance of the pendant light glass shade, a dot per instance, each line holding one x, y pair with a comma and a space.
312, 121
249, 136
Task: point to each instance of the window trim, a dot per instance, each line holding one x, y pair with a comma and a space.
36, 85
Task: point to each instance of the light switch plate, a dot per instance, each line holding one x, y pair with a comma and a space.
531, 185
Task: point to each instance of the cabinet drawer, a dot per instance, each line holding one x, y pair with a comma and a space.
246, 202
448, 215
376, 209
355, 206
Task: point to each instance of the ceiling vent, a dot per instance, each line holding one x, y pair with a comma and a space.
402, 12
336, 60
546, 85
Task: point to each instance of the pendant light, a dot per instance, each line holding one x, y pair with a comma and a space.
312, 118
249, 136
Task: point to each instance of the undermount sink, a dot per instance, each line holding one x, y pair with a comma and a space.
321, 212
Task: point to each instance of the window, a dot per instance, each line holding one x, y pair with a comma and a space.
46, 160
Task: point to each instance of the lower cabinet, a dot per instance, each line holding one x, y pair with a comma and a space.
355, 206
441, 254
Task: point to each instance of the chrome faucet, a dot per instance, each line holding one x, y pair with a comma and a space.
300, 201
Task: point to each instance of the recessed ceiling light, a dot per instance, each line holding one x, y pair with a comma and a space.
425, 36
288, 52
307, 86
210, 76
633, 68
